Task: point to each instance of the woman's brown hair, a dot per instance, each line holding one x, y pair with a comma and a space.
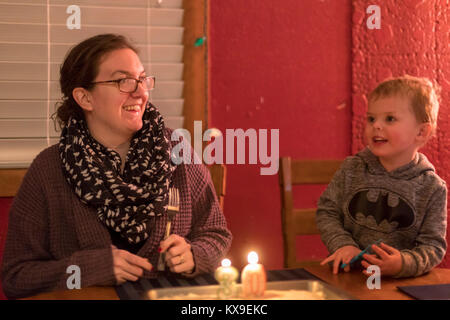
80, 68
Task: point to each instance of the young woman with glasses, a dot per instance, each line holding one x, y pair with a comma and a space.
98, 199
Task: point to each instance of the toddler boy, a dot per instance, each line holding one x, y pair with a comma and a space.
389, 190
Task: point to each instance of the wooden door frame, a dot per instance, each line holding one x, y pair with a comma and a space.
195, 60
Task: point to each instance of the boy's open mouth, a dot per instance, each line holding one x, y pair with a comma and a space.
379, 140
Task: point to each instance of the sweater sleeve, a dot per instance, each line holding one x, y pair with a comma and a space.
430, 243
210, 238
28, 265
329, 215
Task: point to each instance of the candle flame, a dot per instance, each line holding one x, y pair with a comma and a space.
226, 263
252, 257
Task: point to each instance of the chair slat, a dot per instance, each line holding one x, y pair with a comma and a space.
296, 222
218, 176
10, 180
314, 171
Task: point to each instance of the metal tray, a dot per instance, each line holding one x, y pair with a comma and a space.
326, 291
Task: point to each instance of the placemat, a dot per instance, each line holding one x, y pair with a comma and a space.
137, 290
428, 292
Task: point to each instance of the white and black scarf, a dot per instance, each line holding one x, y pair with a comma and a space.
124, 202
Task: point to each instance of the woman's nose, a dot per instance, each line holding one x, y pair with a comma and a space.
140, 91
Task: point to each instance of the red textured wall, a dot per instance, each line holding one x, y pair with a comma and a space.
413, 39
285, 65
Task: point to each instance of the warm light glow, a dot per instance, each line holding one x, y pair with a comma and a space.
252, 257
226, 263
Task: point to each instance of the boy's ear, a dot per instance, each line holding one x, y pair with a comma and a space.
83, 98
424, 132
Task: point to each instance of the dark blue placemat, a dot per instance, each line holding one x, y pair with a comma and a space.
428, 292
137, 290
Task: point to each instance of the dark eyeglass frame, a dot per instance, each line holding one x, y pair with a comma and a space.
138, 81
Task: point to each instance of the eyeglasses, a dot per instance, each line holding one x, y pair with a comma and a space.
130, 85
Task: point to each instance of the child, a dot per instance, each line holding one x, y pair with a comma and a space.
389, 190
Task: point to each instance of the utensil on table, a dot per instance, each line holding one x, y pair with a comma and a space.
172, 209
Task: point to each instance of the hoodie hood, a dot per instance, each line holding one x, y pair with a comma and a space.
415, 168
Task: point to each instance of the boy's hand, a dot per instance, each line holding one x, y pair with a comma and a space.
344, 255
387, 258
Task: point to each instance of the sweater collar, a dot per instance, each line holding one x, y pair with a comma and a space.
414, 168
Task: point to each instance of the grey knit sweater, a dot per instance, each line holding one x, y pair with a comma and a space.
50, 229
406, 208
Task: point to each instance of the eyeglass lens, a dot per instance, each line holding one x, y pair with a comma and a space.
131, 85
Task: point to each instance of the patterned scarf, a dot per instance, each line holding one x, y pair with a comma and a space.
124, 202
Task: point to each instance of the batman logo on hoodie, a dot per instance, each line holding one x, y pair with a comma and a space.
381, 210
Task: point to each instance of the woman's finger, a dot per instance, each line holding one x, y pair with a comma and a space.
122, 264
185, 265
123, 276
137, 261
171, 241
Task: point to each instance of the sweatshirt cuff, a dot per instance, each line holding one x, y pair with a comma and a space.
408, 266
340, 242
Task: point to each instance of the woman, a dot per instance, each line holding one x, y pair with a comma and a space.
98, 199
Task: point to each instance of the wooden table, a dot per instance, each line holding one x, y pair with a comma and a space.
353, 282
91, 293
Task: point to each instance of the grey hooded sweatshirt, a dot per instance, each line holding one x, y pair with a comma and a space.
406, 208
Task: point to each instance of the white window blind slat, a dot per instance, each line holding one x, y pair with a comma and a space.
174, 122
26, 52
59, 33
91, 15
37, 109
177, 4
26, 128
21, 151
23, 109
24, 42
37, 90
14, 71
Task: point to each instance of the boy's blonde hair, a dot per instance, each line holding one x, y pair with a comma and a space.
423, 95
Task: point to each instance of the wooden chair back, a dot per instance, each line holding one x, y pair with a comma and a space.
218, 176
10, 180
297, 222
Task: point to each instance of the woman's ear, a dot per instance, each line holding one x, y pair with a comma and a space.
83, 98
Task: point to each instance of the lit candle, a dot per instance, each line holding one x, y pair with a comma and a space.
253, 277
226, 275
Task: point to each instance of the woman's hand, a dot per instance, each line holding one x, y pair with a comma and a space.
179, 256
389, 260
128, 266
344, 255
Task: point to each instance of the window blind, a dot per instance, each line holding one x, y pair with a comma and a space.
34, 39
